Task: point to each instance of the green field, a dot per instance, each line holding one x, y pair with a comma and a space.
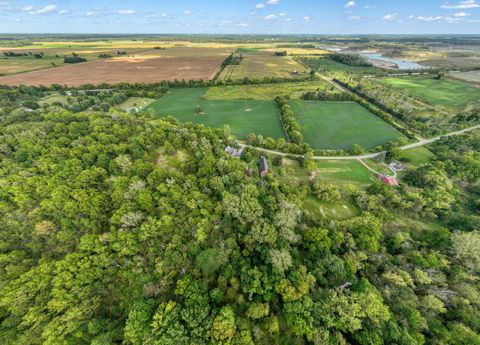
447, 93
418, 156
53, 98
339, 210
339, 125
264, 65
330, 65
266, 91
243, 117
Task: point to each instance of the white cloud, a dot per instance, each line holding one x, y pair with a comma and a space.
282, 14
391, 16
354, 17
47, 9
441, 19
243, 25
26, 9
270, 17
461, 14
92, 13
461, 5
411, 16
259, 6
288, 19
62, 12
370, 6
188, 12
307, 18
273, 2
350, 4
127, 12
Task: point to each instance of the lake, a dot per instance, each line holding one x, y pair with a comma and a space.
402, 64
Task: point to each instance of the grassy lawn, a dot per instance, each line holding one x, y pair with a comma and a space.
266, 91
330, 65
447, 93
137, 103
339, 125
340, 210
54, 97
418, 156
243, 117
264, 65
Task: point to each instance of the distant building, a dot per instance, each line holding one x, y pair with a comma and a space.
397, 166
263, 167
391, 181
234, 152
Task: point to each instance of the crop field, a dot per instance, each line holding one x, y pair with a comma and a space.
243, 117
446, 93
472, 76
264, 65
147, 66
267, 91
330, 65
340, 125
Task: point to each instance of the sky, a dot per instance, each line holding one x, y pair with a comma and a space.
241, 16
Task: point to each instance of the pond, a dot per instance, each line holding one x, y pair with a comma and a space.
402, 64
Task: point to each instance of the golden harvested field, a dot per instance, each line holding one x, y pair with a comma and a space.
149, 66
264, 65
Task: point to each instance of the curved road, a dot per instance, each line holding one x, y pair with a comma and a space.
420, 143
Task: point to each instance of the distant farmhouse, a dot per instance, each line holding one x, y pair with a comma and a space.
263, 167
234, 152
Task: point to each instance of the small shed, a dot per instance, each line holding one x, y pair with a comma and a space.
264, 169
391, 181
237, 153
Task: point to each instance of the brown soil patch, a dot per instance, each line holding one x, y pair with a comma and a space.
187, 65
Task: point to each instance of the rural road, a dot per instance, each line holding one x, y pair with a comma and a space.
420, 143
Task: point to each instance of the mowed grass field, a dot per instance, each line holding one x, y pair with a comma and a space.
147, 66
267, 91
243, 116
264, 65
330, 65
447, 93
340, 125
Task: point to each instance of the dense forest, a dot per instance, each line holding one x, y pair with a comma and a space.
128, 229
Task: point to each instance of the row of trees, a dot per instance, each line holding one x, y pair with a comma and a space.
289, 122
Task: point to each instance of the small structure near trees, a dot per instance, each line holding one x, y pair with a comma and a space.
391, 181
264, 169
232, 151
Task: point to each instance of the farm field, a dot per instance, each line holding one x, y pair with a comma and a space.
266, 91
340, 125
472, 76
243, 117
330, 65
148, 66
264, 65
447, 93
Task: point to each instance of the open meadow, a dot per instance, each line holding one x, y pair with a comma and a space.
147, 67
471, 76
328, 65
447, 93
267, 91
340, 125
262, 64
243, 117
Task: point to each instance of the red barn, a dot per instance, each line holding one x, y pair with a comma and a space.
391, 181
263, 167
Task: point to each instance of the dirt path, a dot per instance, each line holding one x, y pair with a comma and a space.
420, 143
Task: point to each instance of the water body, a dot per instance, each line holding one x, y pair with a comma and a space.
402, 64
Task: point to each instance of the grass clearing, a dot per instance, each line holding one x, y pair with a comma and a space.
340, 125
243, 116
53, 98
339, 210
330, 65
266, 91
447, 93
135, 104
418, 156
264, 65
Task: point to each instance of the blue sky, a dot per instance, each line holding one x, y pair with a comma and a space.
241, 16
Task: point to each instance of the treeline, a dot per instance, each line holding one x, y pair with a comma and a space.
75, 58
15, 54
350, 60
289, 122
